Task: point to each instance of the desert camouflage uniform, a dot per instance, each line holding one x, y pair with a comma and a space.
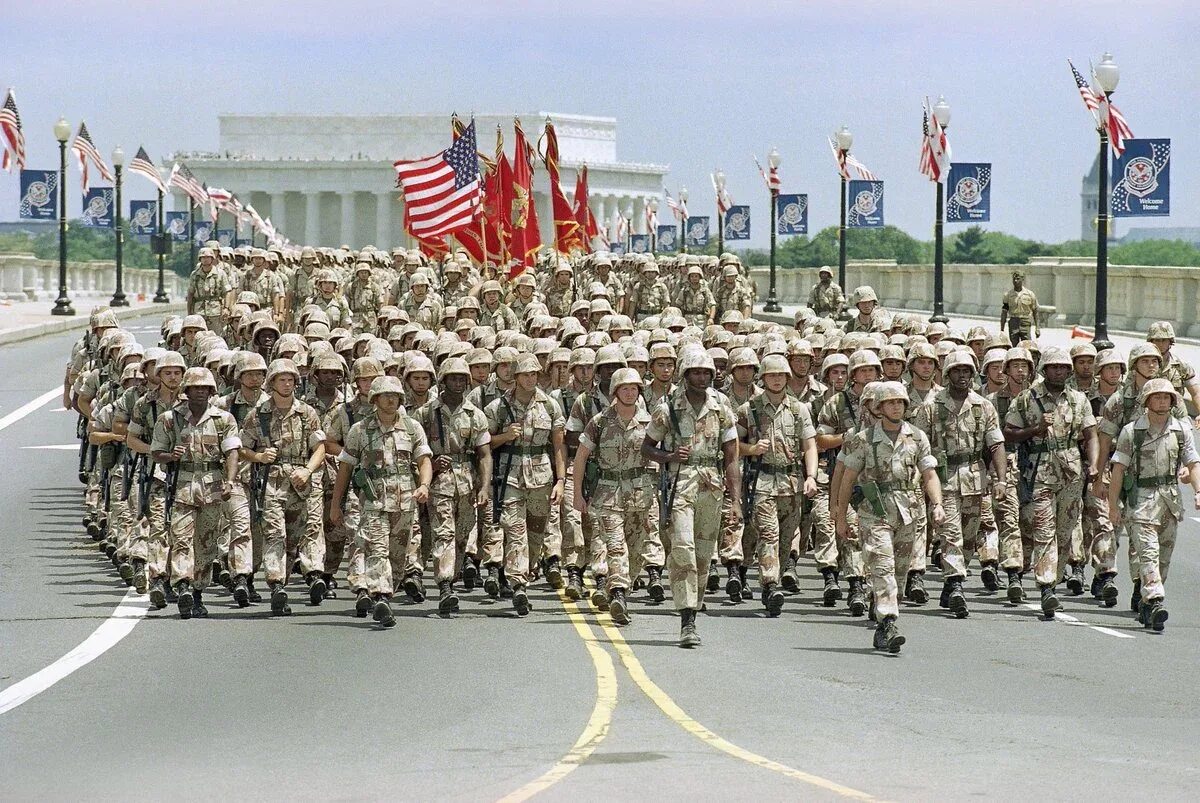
839, 416
207, 292
342, 540
364, 300
245, 534
827, 301
336, 308
143, 419
1014, 541
649, 298
696, 303
502, 317
266, 284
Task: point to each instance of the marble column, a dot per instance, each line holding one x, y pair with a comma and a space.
312, 219
639, 216
383, 220
279, 213
347, 231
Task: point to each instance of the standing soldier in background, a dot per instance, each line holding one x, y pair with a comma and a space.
363, 296
826, 298
1019, 309
209, 292
695, 299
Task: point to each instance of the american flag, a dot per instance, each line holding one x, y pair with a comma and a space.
14, 139
142, 165
935, 147
845, 161
442, 192
723, 199
184, 180
651, 217
85, 151
770, 179
1085, 91
1118, 129
219, 198
673, 205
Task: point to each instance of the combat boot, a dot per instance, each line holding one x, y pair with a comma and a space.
169, 589
987, 576
773, 599
714, 578
183, 596
1135, 599
617, 607
733, 583
316, 588
688, 637
158, 595
414, 589
872, 611
221, 573
789, 580
520, 600
1108, 589
554, 572
254, 595
491, 586
93, 529
279, 601
198, 609
447, 599
574, 583
125, 571
362, 603
382, 612
944, 599
915, 588
1075, 580
935, 557
139, 575
654, 586
599, 597
329, 585
1016, 594
1049, 602
747, 594
856, 601
506, 589
832, 593
1097, 584
1155, 615
957, 600
241, 594
470, 573
887, 636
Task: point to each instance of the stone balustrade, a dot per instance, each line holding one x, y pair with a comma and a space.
24, 277
1137, 295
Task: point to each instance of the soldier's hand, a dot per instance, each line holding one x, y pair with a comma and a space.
760, 447
1100, 488
483, 497
1184, 474
441, 463
939, 515
336, 516
580, 505
681, 454
842, 528
1044, 426
178, 452
1197, 420
514, 431
556, 493
1196, 501
810, 487
268, 455
300, 477
226, 490
1114, 514
421, 494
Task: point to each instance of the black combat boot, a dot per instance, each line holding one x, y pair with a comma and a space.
1135, 599
254, 595
330, 584
832, 593
935, 557
733, 585
688, 637
887, 636
944, 599
1049, 601
125, 571
747, 594
183, 596
988, 576
1016, 594
241, 594
714, 578
279, 600
957, 600
1097, 584
221, 574
491, 586
554, 572
447, 599
414, 589
198, 609
574, 589
316, 588
857, 599
1108, 589
139, 575
789, 580
169, 589
362, 603
506, 589
158, 594
773, 599
654, 587
520, 600
382, 612
470, 573
915, 588
599, 597
1155, 615
1075, 580
617, 607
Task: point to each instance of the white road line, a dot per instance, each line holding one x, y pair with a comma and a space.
66, 447
24, 410
119, 625
1067, 619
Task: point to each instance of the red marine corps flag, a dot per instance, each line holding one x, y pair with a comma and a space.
526, 239
583, 211
567, 234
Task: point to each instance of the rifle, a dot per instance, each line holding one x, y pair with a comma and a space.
169, 496
1027, 465
128, 461
500, 474
753, 464
145, 475
667, 484
81, 433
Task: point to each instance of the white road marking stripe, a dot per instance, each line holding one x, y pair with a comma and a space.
66, 447
59, 410
24, 410
118, 625
1067, 619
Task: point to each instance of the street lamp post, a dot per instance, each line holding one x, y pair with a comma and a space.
161, 296
62, 305
653, 203
844, 140
1107, 76
683, 193
118, 160
773, 161
719, 178
629, 228
941, 113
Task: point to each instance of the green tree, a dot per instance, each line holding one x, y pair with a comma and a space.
969, 247
1155, 252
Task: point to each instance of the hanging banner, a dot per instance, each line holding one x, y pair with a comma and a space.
39, 195
98, 208
203, 231
865, 199
639, 243
697, 231
143, 218
791, 214
969, 192
1141, 179
225, 237
177, 226
667, 235
737, 223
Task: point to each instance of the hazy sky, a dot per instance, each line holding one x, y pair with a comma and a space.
695, 85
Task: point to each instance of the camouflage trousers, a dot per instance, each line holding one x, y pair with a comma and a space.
121, 521
194, 543
158, 542
627, 529
1054, 516
1009, 526
382, 539
1099, 537
289, 513
216, 324
830, 551
245, 536
770, 528
695, 528
522, 529
1153, 528
338, 538
729, 545
453, 518
139, 538
887, 555
963, 534
569, 526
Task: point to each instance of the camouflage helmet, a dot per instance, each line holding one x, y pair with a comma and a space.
132, 371
976, 334
327, 362
1017, 353
774, 364
1054, 356
453, 366
365, 368
865, 293
743, 357
1158, 385
1082, 350
800, 348
105, 318
992, 356
152, 354
170, 359
385, 384
611, 354
832, 361
694, 356
198, 377
999, 340
527, 364
863, 358
890, 391
1144, 350
958, 359
194, 322
419, 363
582, 356
1110, 357
505, 355
623, 376
1161, 330
478, 356
890, 352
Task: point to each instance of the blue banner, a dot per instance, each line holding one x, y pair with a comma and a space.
696, 231
203, 231
969, 192
865, 205
737, 223
667, 235
616, 248
177, 226
791, 214
225, 237
639, 243
98, 208
143, 218
1141, 179
39, 195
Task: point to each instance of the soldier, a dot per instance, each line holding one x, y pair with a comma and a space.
1183, 376
363, 296
573, 526
210, 292
731, 295
962, 427
891, 462
778, 438
301, 285
329, 301
650, 296
871, 317
826, 298
199, 443
266, 284
615, 490
532, 473
523, 296
695, 299
560, 293
1152, 455
1019, 310
458, 436
380, 453
494, 312
454, 290
285, 435
1015, 542
700, 431
420, 305
1051, 421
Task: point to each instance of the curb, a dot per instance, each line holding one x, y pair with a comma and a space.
29, 332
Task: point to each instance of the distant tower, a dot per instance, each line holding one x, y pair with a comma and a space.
1088, 206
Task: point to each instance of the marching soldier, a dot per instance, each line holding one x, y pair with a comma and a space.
209, 292
363, 296
1019, 310
826, 298
695, 299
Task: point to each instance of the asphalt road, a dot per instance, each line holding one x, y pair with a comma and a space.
559, 705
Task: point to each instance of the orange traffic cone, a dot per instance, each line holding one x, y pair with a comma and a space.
1081, 333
